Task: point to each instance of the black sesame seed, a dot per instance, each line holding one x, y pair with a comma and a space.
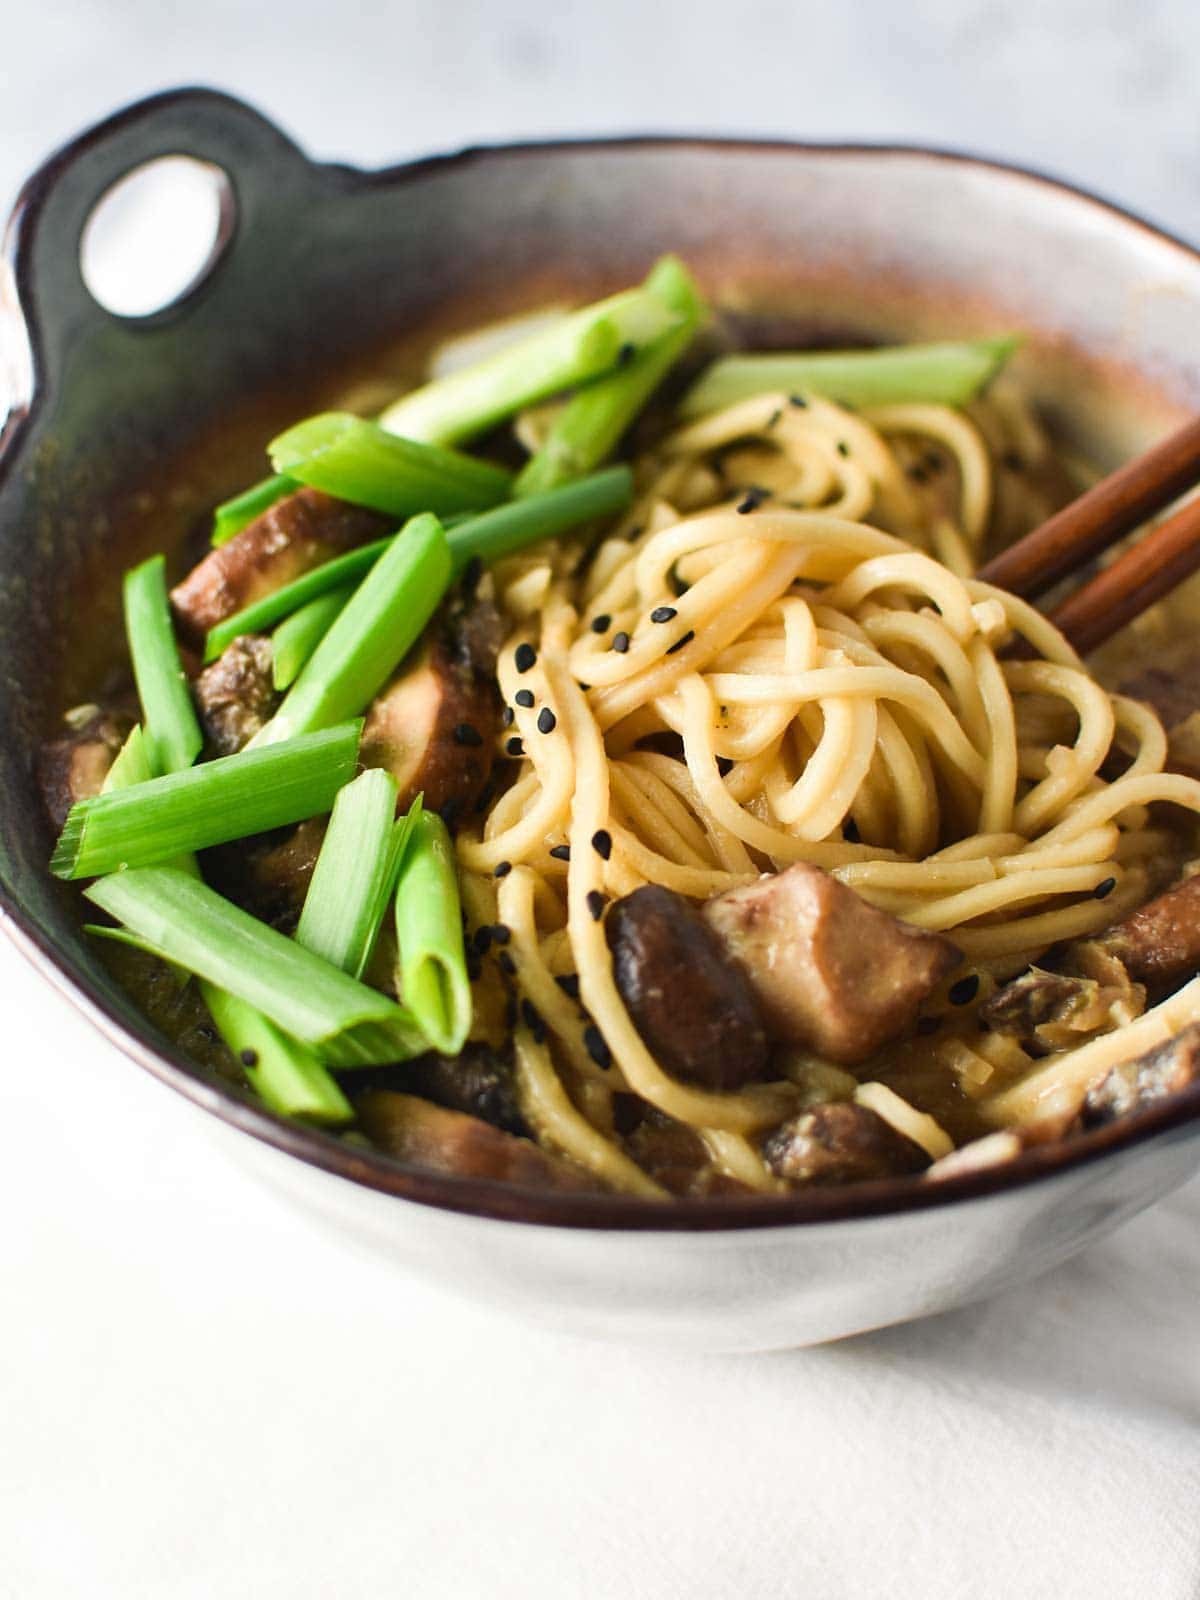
602, 843
486, 795
452, 810
465, 734
620, 643
850, 831
596, 903
507, 716
965, 990
775, 419
561, 852
568, 982
515, 747
663, 613
502, 869
547, 721
679, 643
501, 933
602, 623
249, 1058
753, 499
724, 766
510, 1012
524, 657
626, 353
524, 698
798, 401
596, 1046
532, 1020
482, 942
507, 964
1103, 890
474, 969
843, 449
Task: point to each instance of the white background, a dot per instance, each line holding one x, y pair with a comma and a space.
201, 1397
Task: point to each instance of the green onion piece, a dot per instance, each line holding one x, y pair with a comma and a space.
297, 636
582, 346
181, 919
225, 799
382, 620
432, 975
351, 883
522, 522
361, 462
272, 608
285, 1074
947, 374
131, 764
170, 729
231, 516
593, 421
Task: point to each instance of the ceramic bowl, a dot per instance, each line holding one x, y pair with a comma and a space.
129, 429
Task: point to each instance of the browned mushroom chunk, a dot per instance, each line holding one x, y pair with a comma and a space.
1163, 1071
428, 1136
1159, 944
478, 1082
434, 726
294, 535
693, 1007
675, 1157
75, 766
841, 1143
269, 876
831, 972
235, 697
1174, 693
1056, 1010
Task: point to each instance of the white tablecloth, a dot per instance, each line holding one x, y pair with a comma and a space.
200, 1395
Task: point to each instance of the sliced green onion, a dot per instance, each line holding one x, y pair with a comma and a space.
582, 346
361, 462
221, 800
522, 522
170, 729
352, 880
297, 636
591, 424
131, 765
231, 516
285, 1074
432, 975
382, 620
182, 920
946, 374
272, 608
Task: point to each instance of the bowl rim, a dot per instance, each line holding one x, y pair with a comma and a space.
504, 1202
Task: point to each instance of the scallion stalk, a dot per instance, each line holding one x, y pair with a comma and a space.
231, 516
949, 373
297, 636
229, 798
285, 1074
171, 732
381, 621
522, 522
351, 883
432, 975
582, 346
592, 422
282, 602
362, 463
131, 764
345, 1023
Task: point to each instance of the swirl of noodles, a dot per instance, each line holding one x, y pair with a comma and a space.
742, 681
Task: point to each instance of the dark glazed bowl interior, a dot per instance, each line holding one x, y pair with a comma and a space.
325, 276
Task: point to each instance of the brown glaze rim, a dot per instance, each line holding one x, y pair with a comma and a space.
507, 1202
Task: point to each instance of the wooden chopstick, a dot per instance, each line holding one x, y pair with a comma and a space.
1108, 511
1149, 569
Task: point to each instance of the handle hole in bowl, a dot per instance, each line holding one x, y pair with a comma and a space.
156, 234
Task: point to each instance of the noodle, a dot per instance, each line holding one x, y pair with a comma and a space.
804, 670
